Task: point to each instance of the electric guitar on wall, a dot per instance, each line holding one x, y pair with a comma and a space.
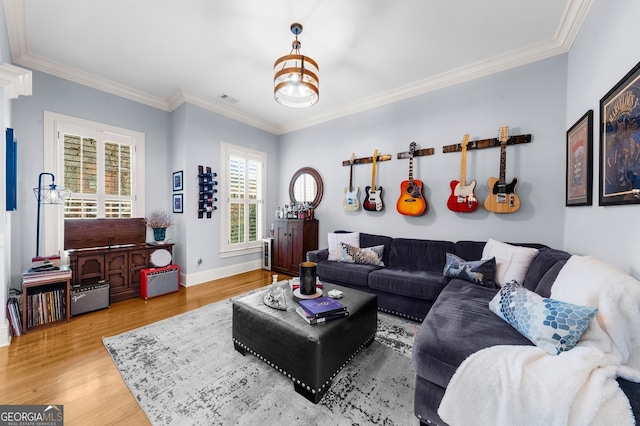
351, 195
373, 198
502, 196
462, 198
411, 201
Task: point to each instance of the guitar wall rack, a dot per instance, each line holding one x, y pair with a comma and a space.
367, 160
487, 143
416, 153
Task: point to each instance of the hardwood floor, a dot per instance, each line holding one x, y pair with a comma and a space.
68, 364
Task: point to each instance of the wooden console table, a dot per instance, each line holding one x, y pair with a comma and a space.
113, 250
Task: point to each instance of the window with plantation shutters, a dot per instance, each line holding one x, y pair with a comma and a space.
102, 166
242, 198
98, 172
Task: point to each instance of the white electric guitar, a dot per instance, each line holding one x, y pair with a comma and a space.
373, 199
351, 194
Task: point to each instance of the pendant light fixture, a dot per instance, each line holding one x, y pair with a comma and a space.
296, 82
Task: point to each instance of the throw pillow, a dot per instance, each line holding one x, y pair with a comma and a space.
368, 255
550, 324
512, 262
351, 238
478, 271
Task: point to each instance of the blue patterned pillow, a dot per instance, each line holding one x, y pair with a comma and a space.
478, 272
550, 324
368, 255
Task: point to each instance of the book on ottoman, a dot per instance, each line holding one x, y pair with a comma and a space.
322, 306
312, 320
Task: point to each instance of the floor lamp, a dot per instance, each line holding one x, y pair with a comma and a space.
49, 194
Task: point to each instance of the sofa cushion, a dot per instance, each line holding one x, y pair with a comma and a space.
371, 240
459, 324
552, 325
408, 282
470, 250
476, 271
335, 238
423, 255
355, 274
542, 263
512, 262
368, 255
544, 285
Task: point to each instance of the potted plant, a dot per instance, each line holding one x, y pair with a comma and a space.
159, 221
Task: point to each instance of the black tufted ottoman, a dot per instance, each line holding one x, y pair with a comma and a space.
310, 355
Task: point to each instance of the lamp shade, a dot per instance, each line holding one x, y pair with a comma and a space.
296, 77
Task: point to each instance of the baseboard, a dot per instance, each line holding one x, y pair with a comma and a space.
188, 280
5, 334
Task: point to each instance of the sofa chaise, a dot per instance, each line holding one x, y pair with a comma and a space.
411, 279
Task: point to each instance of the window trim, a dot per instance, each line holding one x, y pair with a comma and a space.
226, 250
53, 219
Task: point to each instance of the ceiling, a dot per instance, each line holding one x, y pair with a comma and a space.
370, 52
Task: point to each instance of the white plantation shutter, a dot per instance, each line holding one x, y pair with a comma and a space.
102, 166
243, 218
98, 169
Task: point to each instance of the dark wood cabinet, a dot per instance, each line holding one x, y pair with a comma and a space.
293, 238
110, 249
119, 266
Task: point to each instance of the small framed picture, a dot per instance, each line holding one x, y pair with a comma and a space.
177, 181
620, 142
177, 203
580, 161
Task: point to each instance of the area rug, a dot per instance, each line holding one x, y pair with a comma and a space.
185, 371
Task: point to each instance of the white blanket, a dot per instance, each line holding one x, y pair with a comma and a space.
523, 385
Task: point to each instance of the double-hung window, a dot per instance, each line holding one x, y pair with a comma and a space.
242, 199
102, 166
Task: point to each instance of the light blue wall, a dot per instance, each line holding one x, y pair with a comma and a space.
178, 140
542, 99
64, 97
529, 99
204, 131
605, 50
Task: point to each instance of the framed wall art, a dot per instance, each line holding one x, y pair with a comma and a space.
177, 203
11, 177
580, 161
177, 181
620, 142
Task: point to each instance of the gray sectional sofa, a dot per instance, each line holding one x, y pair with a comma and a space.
455, 319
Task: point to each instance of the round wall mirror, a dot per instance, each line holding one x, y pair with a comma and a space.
306, 186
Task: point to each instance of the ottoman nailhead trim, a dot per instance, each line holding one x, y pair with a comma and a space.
400, 314
297, 381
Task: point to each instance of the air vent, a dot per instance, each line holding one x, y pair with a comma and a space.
228, 99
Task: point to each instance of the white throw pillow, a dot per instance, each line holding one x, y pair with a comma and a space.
352, 238
512, 262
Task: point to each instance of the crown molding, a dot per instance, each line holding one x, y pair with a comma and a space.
181, 96
573, 17
91, 80
441, 81
15, 80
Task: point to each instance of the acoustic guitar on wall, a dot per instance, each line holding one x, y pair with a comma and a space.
373, 196
351, 194
502, 196
463, 198
411, 201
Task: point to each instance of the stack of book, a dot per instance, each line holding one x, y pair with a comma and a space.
321, 309
13, 313
35, 275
